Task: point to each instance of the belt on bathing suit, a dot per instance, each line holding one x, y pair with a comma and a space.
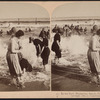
93, 50
13, 53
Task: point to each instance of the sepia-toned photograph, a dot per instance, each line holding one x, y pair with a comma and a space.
24, 47
75, 47
50, 49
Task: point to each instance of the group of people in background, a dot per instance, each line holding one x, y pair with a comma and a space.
17, 64
68, 30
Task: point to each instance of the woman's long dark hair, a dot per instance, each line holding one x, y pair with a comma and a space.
19, 33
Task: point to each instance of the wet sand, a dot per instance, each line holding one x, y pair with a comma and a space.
29, 86
66, 79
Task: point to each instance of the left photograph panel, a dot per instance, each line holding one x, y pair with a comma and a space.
24, 47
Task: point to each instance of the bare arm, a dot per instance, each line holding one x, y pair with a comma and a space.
59, 44
96, 44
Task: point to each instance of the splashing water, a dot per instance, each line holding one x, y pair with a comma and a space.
29, 52
3, 49
75, 45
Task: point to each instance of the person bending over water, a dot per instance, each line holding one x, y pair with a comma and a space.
38, 45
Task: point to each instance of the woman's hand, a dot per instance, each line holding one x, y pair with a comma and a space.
20, 56
20, 47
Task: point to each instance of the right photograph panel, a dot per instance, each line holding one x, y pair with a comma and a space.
75, 47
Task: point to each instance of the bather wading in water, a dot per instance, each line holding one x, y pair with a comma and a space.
56, 47
13, 58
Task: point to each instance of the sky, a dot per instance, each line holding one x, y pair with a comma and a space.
22, 10
77, 9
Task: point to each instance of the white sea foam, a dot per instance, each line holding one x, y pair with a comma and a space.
75, 45
29, 51
3, 49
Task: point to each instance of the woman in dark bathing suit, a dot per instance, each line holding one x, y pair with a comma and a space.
56, 46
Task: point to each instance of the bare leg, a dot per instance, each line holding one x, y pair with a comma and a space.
24, 71
21, 82
44, 67
14, 81
58, 60
98, 78
55, 59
